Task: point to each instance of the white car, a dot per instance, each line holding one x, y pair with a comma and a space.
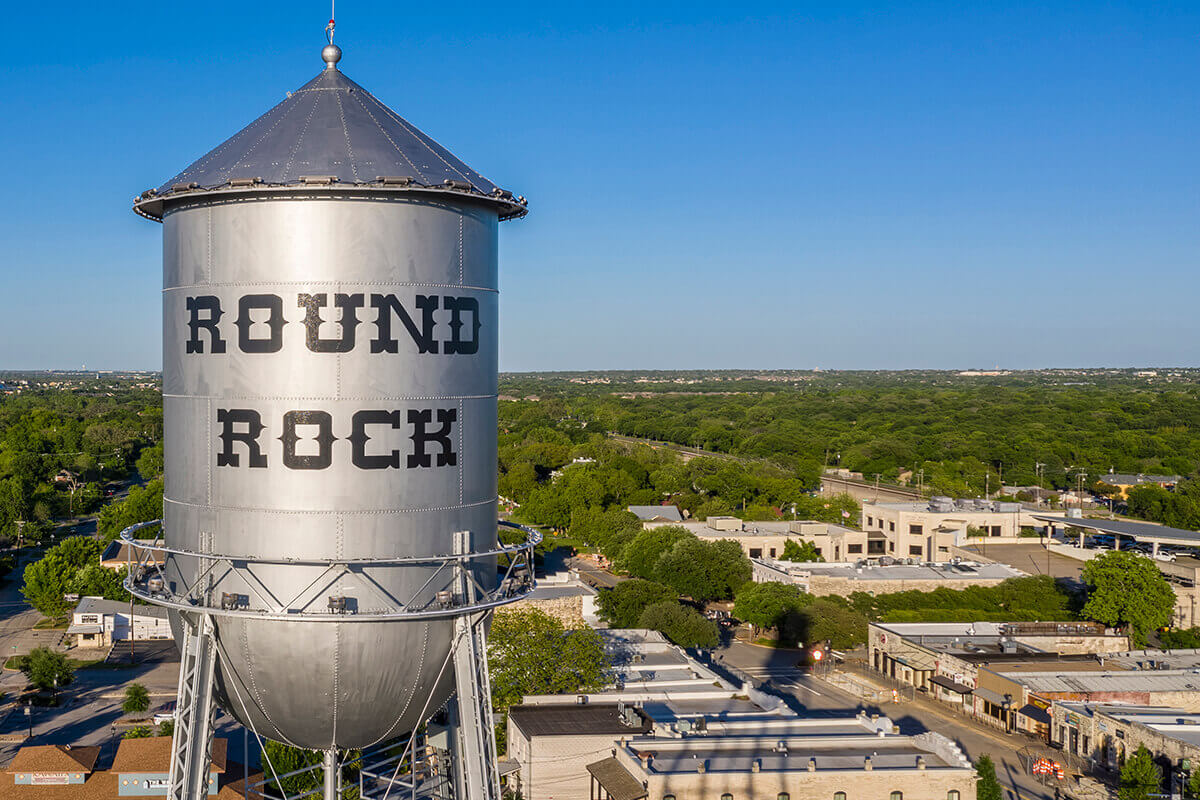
1165, 556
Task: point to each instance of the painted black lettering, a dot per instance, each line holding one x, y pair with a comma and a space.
249, 426
456, 306
359, 439
211, 305
324, 439
387, 304
349, 305
421, 436
275, 322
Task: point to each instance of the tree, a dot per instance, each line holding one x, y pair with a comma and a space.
622, 605
703, 570
800, 551
987, 787
70, 567
150, 462
642, 553
1181, 639
683, 625
531, 652
1125, 589
166, 727
143, 504
47, 669
137, 699
770, 604
830, 618
1140, 777
280, 759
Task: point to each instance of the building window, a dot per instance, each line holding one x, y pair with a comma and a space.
854, 548
772, 552
914, 530
756, 552
783, 796
952, 794
839, 796
668, 797
891, 527
897, 796
995, 530
914, 550
870, 522
891, 547
727, 796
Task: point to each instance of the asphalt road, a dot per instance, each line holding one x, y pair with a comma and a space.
809, 694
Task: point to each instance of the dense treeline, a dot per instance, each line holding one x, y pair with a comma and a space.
95, 431
963, 434
560, 468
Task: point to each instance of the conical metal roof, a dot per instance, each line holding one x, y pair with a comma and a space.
331, 133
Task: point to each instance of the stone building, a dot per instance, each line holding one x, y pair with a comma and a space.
801, 767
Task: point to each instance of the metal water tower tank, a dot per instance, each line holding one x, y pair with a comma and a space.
330, 326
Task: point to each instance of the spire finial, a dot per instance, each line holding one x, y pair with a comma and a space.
331, 53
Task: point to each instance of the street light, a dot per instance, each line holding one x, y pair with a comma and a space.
29, 719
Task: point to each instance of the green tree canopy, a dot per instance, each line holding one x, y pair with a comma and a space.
143, 504
47, 669
622, 605
770, 604
641, 556
987, 787
137, 699
1128, 590
683, 625
703, 570
800, 551
531, 652
1140, 776
831, 618
70, 567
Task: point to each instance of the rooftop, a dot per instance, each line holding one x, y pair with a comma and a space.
1127, 479
330, 132
98, 605
668, 513
965, 570
153, 754
1138, 531
588, 719
54, 758
1109, 681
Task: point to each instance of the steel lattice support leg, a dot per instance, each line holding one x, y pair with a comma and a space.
191, 746
476, 774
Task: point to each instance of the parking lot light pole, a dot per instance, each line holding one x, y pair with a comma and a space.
29, 719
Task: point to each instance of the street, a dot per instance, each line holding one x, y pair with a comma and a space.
811, 695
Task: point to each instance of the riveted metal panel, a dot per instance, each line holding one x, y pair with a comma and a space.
321, 479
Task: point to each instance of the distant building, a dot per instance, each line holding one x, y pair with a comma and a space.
846, 579
117, 555
805, 765
97, 622
929, 529
139, 769
1123, 481
657, 513
568, 599
767, 539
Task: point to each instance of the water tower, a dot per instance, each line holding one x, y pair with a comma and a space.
329, 532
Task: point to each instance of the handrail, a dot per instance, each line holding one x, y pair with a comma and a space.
144, 581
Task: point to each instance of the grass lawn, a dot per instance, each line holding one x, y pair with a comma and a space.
51, 624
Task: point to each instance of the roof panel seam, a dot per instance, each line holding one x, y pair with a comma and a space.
300, 139
421, 137
346, 133
212, 156
261, 139
388, 136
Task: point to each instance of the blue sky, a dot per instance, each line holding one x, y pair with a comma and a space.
841, 185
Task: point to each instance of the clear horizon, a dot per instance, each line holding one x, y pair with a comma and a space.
844, 185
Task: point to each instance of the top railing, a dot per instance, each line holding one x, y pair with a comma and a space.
450, 586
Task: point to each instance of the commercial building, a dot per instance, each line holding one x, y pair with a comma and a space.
968, 665
873, 578
97, 622
805, 765
929, 529
562, 596
139, 769
767, 539
667, 727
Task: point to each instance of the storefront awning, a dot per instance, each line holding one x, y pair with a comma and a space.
946, 683
74, 629
995, 698
1034, 713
